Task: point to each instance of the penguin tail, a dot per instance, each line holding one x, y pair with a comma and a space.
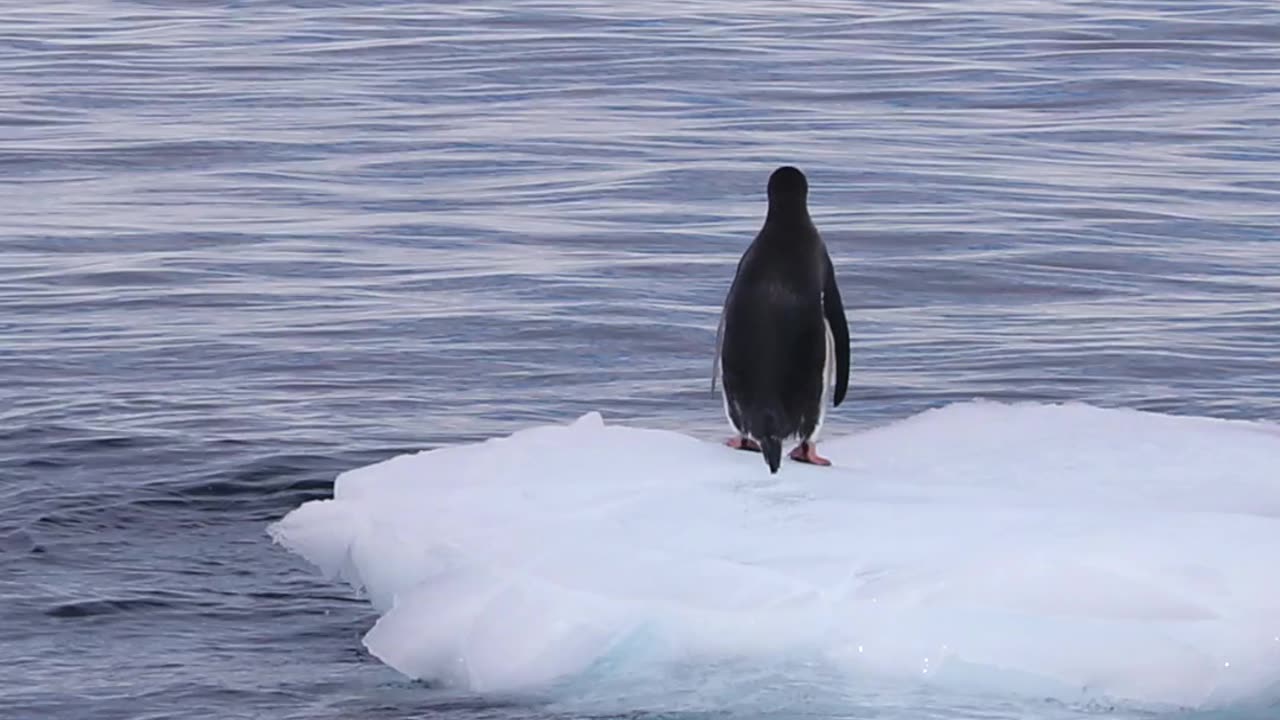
766, 429
771, 448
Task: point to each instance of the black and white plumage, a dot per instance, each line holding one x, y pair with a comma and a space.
782, 349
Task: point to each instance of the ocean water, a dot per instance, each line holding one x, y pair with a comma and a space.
249, 245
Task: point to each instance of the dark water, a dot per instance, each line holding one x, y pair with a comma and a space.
247, 245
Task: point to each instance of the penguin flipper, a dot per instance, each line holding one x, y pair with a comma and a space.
833, 310
715, 363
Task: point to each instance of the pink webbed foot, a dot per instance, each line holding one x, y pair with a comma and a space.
737, 442
807, 452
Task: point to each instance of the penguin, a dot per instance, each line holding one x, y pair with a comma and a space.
782, 347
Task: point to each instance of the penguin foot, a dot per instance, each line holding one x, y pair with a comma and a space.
737, 442
807, 452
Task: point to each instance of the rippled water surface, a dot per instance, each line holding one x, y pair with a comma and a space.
247, 245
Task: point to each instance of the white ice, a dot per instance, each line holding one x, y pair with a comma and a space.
1066, 551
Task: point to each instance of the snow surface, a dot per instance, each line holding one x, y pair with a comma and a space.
1066, 551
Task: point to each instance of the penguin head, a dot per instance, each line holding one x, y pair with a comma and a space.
787, 184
